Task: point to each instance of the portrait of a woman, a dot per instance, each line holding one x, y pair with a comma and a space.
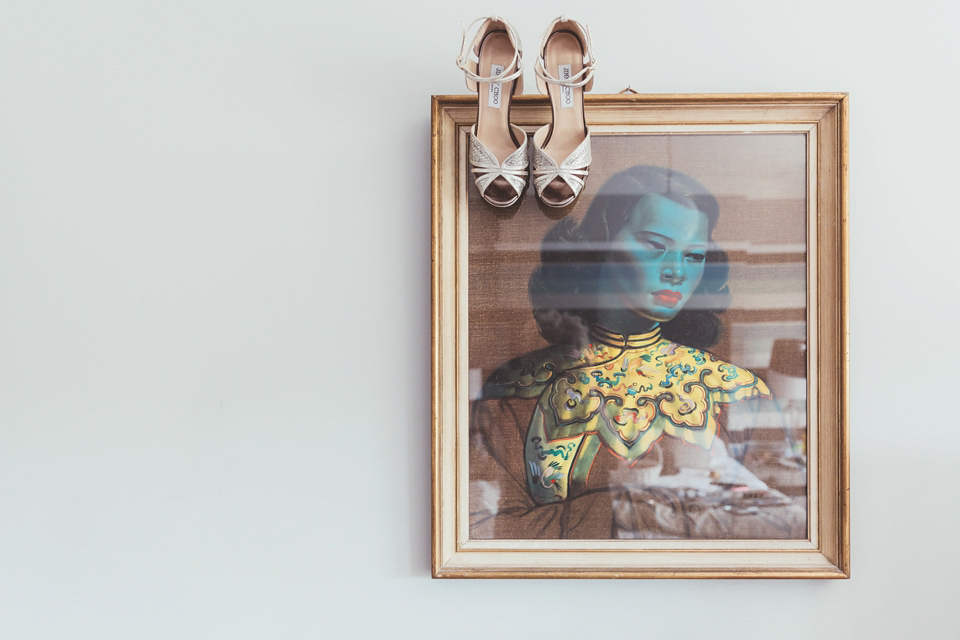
619, 427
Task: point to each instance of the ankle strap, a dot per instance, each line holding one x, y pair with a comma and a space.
467, 65
544, 75
589, 62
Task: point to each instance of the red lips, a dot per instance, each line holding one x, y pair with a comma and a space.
667, 298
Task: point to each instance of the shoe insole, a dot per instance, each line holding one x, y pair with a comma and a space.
493, 114
563, 59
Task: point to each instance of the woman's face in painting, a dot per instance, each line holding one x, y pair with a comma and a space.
657, 259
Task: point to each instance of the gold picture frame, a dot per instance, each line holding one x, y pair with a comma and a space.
712, 134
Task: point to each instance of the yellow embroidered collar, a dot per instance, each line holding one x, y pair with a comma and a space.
626, 393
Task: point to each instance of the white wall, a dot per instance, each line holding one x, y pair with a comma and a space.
214, 295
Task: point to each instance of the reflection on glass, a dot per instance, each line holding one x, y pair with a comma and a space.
626, 425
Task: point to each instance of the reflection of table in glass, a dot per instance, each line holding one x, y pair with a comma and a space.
677, 491
777, 461
772, 440
724, 501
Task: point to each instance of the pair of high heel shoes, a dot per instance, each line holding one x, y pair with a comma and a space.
499, 151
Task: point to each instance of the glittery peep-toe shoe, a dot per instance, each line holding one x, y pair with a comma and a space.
493, 64
561, 149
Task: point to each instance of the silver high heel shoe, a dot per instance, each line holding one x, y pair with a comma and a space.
561, 149
498, 150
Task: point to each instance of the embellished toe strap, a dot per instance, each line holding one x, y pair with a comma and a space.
486, 168
573, 170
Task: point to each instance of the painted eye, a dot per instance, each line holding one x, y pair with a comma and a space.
696, 257
653, 244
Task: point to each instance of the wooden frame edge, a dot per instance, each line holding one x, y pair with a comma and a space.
844, 302
435, 187
678, 574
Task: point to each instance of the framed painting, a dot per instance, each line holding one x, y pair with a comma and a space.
613, 398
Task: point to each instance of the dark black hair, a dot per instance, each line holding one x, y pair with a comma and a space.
563, 289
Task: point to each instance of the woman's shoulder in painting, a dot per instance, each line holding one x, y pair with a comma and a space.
528, 375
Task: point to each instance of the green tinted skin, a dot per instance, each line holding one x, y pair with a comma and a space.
655, 264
